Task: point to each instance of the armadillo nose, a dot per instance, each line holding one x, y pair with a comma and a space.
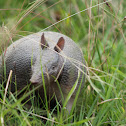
34, 82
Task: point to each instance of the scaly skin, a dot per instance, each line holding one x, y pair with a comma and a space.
25, 57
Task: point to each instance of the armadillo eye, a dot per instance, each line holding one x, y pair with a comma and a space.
53, 67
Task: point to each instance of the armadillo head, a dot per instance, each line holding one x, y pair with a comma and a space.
48, 63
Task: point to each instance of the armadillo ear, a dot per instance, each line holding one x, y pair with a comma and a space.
60, 45
44, 43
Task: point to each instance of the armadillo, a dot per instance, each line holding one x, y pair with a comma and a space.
53, 54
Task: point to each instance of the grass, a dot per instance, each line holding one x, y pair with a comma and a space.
100, 32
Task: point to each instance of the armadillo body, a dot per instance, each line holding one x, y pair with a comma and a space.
27, 60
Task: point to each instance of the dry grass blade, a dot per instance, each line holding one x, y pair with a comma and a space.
75, 14
109, 100
7, 85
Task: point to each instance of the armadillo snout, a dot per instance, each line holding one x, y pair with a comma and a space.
34, 82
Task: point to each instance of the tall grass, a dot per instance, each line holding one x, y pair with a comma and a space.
98, 27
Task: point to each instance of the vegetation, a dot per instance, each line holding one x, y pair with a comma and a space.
98, 27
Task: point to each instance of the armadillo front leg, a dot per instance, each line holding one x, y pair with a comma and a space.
69, 104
